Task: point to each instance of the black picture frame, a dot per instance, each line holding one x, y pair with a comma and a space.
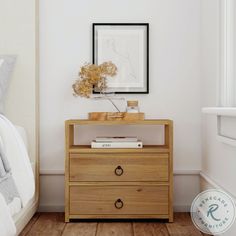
124, 27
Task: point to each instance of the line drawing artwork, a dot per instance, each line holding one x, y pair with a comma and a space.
127, 46
125, 57
121, 48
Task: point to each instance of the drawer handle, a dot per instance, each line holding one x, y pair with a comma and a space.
119, 171
119, 204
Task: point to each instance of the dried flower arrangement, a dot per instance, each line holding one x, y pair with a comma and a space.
93, 76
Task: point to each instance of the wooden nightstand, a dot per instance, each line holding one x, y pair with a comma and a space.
119, 183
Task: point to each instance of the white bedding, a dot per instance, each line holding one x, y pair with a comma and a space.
15, 205
22, 173
18, 159
23, 135
7, 226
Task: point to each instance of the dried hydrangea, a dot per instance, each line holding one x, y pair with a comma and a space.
82, 88
93, 76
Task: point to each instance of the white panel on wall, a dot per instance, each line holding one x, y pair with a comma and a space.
18, 36
228, 127
218, 158
175, 93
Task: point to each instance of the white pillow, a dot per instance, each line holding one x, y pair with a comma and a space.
7, 63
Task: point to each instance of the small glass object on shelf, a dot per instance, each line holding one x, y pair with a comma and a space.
109, 97
132, 107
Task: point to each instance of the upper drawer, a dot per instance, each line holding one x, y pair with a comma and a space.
119, 167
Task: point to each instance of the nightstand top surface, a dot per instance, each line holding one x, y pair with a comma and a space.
119, 122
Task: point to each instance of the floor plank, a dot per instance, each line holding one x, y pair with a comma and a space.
45, 224
150, 229
78, 228
28, 227
48, 224
115, 229
182, 226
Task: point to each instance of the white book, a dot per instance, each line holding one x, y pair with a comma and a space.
116, 139
137, 144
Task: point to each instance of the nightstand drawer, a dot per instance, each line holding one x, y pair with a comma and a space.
119, 167
149, 199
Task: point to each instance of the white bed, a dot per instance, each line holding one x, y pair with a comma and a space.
23, 215
20, 210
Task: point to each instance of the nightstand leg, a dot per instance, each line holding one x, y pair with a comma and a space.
171, 218
67, 219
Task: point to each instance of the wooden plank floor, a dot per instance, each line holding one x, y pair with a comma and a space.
52, 224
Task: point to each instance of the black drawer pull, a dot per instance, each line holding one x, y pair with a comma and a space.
119, 171
119, 204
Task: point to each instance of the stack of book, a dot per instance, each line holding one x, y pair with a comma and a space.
116, 142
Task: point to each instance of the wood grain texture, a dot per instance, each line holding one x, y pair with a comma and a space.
107, 167
150, 229
78, 228
115, 229
118, 183
182, 226
145, 166
48, 224
45, 224
169, 143
118, 217
103, 116
28, 227
69, 140
120, 122
103, 200
145, 149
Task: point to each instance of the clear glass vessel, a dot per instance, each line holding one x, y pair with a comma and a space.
132, 107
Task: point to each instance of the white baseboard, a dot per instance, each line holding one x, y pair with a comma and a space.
62, 172
60, 208
52, 176
51, 208
209, 183
187, 172
52, 172
182, 208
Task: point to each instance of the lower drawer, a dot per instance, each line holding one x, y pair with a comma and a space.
147, 199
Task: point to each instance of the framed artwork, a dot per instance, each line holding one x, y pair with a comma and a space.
126, 45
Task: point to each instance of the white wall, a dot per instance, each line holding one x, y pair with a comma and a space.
219, 159
18, 36
65, 44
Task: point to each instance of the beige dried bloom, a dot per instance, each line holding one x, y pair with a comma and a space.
108, 69
82, 88
93, 76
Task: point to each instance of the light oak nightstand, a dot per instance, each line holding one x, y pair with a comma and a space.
119, 183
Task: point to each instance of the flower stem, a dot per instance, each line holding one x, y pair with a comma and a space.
109, 99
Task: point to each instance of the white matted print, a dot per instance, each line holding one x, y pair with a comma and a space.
126, 45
